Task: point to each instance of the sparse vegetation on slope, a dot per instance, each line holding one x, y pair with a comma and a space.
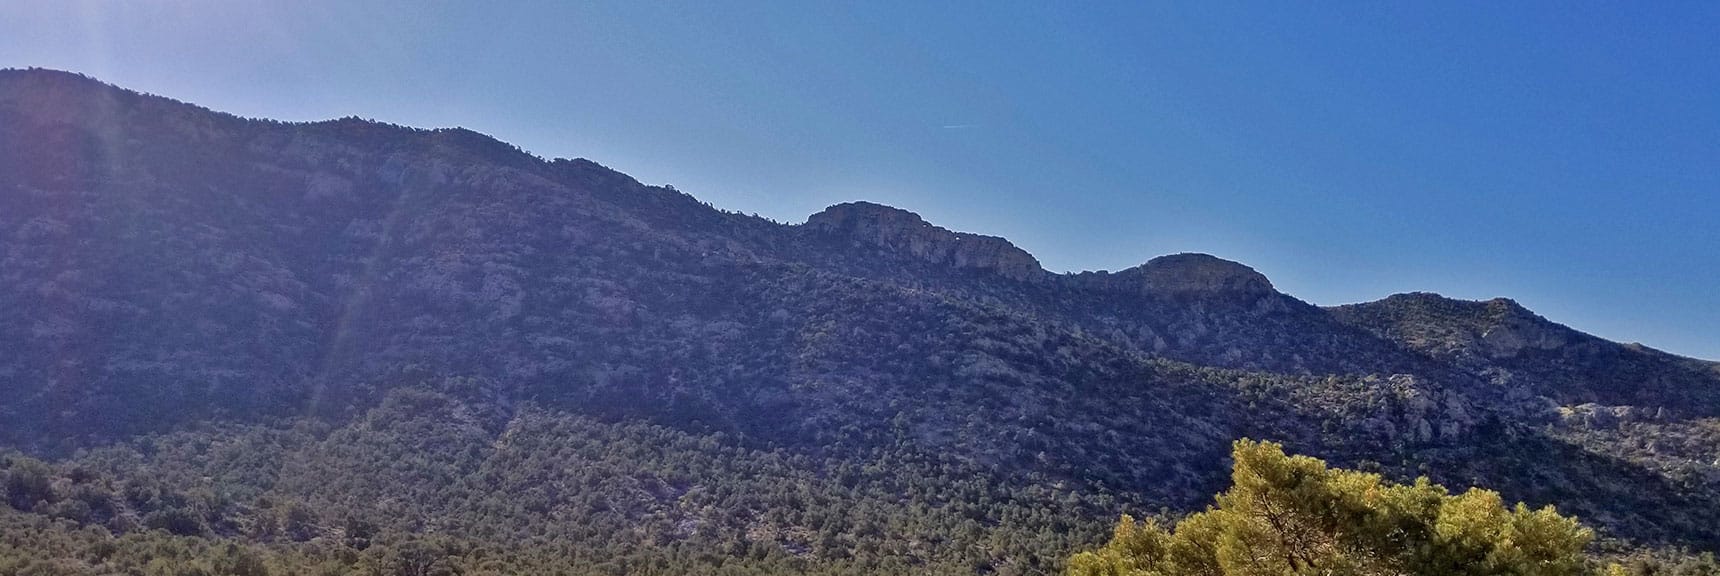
462, 347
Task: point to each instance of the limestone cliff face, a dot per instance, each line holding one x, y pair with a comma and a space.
1196, 273
906, 232
1182, 276
1516, 329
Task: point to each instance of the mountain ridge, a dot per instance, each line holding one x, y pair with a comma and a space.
174, 269
499, 148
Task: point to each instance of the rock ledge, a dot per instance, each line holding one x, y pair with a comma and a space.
903, 231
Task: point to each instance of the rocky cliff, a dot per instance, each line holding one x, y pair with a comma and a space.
894, 229
1181, 275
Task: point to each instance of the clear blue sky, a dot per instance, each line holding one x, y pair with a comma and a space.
1564, 154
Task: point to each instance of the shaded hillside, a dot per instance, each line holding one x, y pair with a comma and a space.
169, 269
1501, 340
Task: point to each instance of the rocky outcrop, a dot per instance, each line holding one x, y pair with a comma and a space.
1198, 273
1182, 275
1473, 332
1592, 416
1416, 413
1516, 329
905, 232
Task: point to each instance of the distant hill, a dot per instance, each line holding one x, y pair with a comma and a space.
175, 282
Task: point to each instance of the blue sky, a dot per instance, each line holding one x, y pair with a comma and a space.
1563, 154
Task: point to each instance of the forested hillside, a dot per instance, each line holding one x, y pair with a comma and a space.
354, 345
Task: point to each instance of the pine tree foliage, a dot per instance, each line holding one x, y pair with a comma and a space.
1293, 515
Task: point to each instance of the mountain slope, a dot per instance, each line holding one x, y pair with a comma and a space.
1501, 339
172, 270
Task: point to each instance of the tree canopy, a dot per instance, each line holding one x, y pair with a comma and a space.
1293, 515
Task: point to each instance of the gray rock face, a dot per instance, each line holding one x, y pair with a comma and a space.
906, 232
1517, 330
1415, 413
1430, 415
1184, 275
1593, 416
1173, 276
